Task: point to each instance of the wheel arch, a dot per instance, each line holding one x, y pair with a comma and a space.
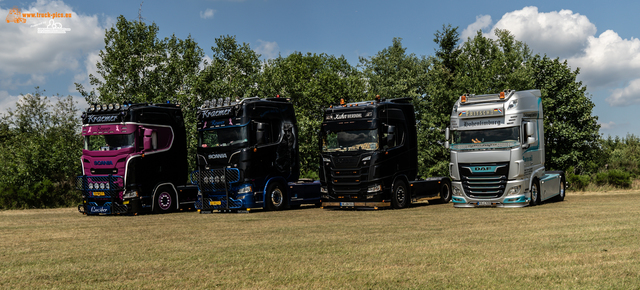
155, 195
277, 179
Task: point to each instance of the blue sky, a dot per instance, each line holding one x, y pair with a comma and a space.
599, 37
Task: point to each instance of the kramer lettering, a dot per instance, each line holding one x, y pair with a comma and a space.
99, 119
216, 113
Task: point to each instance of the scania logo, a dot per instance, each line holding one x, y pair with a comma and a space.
103, 162
218, 156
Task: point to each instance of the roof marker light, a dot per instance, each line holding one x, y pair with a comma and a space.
463, 99
502, 95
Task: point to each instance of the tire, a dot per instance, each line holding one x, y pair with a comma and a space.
446, 189
164, 200
400, 196
276, 197
535, 193
563, 189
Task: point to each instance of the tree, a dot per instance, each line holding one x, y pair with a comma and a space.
312, 82
39, 153
571, 131
233, 72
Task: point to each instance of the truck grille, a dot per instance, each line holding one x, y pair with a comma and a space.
348, 180
215, 180
100, 186
484, 180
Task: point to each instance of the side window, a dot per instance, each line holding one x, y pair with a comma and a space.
398, 136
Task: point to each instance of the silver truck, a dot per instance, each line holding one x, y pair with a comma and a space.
497, 151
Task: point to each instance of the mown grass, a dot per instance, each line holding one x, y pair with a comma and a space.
587, 241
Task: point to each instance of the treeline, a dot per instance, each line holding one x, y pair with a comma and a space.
40, 148
137, 66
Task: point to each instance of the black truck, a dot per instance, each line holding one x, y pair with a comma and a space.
248, 157
134, 160
370, 157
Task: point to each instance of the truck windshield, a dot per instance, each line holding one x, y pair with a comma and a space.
222, 137
510, 134
355, 140
108, 142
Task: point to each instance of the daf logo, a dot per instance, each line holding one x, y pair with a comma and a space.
481, 168
102, 162
217, 156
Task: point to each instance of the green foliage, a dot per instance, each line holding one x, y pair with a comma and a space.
571, 131
39, 153
619, 178
576, 181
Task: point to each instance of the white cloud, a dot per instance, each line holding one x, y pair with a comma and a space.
25, 51
7, 101
482, 22
609, 60
626, 96
207, 13
268, 49
83, 77
555, 33
606, 61
607, 126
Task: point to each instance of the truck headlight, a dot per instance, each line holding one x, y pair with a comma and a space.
456, 191
130, 194
325, 159
323, 189
374, 188
245, 189
514, 190
101, 185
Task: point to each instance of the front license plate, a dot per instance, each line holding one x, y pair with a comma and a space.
346, 204
484, 203
215, 202
98, 193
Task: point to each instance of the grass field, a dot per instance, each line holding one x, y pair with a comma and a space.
591, 240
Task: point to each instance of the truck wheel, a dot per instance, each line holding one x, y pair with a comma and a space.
275, 197
562, 189
400, 195
535, 193
445, 193
164, 201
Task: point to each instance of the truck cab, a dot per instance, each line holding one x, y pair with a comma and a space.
248, 156
497, 151
134, 159
370, 156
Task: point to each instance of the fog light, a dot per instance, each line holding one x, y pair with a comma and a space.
514, 190
456, 191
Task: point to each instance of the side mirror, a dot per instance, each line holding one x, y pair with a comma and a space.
391, 134
531, 140
529, 129
150, 141
446, 144
446, 133
260, 128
